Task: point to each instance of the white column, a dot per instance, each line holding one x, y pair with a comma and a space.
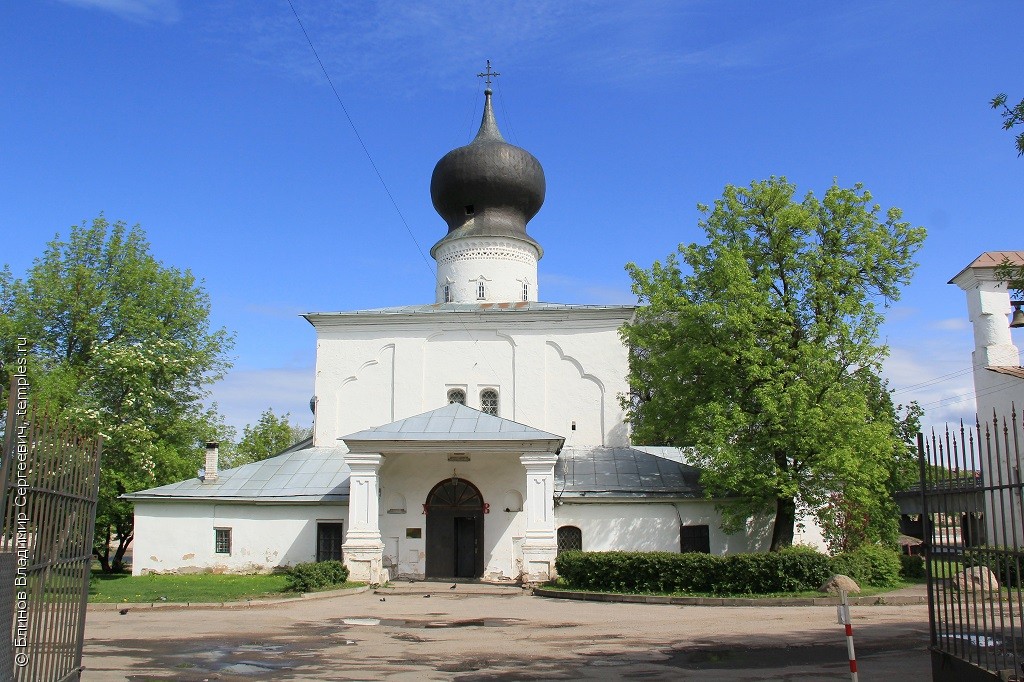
363, 549
539, 543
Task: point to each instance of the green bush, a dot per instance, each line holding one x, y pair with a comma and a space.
316, 575
792, 570
1001, 561
872, 565
912, 567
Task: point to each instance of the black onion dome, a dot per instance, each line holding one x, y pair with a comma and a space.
488, 188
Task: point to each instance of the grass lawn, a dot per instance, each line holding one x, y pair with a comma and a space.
201, 587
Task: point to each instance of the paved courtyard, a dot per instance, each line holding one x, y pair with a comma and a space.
471, 634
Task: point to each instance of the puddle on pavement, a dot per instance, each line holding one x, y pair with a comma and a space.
433, 624
239, 659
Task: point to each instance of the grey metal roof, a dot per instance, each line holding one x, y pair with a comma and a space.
625, 472
434, 308
454, 422
308, 475
319, 474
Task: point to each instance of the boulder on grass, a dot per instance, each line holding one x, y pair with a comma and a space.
976, 578
840, 582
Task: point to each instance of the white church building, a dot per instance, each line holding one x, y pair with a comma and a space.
473, 437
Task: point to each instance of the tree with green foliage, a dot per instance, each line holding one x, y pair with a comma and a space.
121, 346
765, 360
1013, 276
1012, 117
269, 436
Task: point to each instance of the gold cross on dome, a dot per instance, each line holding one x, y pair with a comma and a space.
488, 74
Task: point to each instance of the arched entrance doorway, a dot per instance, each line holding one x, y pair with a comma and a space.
455, 530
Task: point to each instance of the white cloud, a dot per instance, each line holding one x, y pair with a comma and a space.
950, 324
245, 393
143, 11
938, 376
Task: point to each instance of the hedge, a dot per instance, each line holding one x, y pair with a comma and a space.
872, 565
796, 569
316, 575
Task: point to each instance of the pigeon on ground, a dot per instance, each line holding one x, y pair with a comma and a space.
123, 612
162, 598
383, 599
452, 587
426, 596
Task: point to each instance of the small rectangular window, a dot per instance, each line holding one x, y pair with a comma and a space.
329, 537
480, 290
413, 533
526, 291
695, 539
222, 540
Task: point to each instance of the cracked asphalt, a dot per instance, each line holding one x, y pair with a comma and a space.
501, 635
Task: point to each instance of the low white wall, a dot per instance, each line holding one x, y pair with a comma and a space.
179, 536
654, 526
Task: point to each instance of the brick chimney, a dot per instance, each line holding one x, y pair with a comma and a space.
212, 462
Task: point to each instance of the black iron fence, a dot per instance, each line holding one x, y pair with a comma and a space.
49, 482
973, 526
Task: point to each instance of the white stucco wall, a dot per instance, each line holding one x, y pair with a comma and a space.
551, 369
988, 307
179, 536
409, 478
503, 265
654, 526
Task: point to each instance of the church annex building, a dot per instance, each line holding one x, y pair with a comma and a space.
473, 437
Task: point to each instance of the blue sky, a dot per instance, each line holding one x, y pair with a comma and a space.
212, 126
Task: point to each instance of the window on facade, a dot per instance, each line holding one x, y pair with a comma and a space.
569, 538
480, 293
694, 539
222, 540
457, 395
489, 401
329, 537
447, 293
526, 291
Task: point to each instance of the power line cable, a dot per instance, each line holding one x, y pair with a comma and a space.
360, 139
369, 157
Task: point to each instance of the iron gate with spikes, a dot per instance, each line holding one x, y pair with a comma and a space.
973, 526
49, 487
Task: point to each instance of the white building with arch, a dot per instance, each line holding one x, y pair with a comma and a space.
468, 438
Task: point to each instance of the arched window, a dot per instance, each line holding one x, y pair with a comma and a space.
457, 395
489, 401
569, 538
480, 292
447, 293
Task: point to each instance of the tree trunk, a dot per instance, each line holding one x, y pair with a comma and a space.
785, 521
122, 549
104, 554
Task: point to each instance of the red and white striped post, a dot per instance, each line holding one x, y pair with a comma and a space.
844, 619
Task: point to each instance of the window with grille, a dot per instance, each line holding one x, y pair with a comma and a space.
695, 539
222, 540
569, 538
447, 293
480, 293
526, 291
457, 395
329, 537
489, 401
